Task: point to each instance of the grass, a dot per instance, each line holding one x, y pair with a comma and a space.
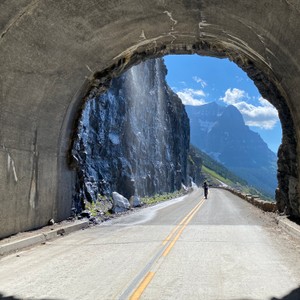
102, 205
162, 197
213, 177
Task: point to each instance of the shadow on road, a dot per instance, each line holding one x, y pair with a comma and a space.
2, 297
8, 297
293, 295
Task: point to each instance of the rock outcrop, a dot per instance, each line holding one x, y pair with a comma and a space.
133, 139
195, 163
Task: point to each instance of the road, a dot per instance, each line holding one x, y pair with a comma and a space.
187, 248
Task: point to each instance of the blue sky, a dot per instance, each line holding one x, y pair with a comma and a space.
198, 80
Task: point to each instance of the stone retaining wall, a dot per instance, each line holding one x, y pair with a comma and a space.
267, 206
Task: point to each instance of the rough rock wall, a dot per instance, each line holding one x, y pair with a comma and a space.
133, 139
195, 163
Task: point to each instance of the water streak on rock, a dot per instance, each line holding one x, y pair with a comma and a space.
134, 139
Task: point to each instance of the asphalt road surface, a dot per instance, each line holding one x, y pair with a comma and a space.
187, 248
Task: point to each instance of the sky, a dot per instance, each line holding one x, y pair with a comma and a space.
198, 80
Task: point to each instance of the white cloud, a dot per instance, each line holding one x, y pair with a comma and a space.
201, 81
192, 97
234, 96
264, 115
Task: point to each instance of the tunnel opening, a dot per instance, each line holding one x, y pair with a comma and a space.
210, 89
267, 84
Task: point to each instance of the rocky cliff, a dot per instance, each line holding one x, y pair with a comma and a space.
221, 132
133, 139
195, 163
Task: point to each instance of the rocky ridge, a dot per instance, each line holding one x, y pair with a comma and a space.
133, 139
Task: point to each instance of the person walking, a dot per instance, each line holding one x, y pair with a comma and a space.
205, 188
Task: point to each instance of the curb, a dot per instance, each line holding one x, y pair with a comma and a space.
289, 227
41, 238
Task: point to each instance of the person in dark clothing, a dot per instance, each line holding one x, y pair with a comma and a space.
205, 188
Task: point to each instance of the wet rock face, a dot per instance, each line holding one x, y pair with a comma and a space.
133, 139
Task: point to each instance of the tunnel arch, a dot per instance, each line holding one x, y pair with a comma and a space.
56, 53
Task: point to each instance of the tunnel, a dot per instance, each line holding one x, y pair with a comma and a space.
56, 54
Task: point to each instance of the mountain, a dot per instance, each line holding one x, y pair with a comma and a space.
204, 168
133, 139
198, 162
221, 133
217, 167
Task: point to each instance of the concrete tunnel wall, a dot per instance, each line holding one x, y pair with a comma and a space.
54, 52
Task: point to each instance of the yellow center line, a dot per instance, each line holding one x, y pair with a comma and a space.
147, 279
140, 289
168, 249
176, 228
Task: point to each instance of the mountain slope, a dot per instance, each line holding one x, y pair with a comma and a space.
216, 174
221, 133
217, 167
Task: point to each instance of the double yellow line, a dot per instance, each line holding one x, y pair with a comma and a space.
171, 239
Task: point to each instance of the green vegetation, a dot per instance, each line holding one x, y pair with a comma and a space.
220, 169
101, 206
214, 175
190, 160
163, 197
214, 179
214, 172
92, 207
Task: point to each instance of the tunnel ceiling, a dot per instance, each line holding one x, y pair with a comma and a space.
53, 53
